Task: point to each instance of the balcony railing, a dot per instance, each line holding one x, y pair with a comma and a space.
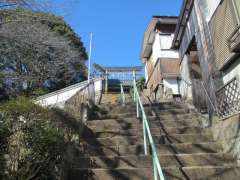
234, 40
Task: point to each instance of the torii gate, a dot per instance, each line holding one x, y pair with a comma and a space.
119, 72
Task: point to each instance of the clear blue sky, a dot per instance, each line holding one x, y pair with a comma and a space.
118, 26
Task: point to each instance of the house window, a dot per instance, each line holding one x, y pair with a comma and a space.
165, 41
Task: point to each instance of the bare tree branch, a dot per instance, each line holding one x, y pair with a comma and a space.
37, 47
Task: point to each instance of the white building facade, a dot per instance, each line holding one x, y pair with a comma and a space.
160, 61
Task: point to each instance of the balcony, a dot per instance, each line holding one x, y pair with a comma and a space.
234, 40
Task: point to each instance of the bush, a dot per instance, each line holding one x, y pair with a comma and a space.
38, 92
32, 141
141, 83
4, 134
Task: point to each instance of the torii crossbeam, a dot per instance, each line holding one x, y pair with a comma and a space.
108, 71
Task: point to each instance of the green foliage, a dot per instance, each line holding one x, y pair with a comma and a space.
32, 139
45, 140
38, 92
140, 83
22, 106
4, 134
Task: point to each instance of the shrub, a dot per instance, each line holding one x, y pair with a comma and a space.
141, 83
32, 140
4, 134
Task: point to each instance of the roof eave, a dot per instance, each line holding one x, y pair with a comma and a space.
181, 25
148, 37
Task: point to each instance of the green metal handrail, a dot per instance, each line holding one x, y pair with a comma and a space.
157, 169
122, 94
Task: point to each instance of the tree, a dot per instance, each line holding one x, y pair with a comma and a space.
17, 3
39, 50
40, 5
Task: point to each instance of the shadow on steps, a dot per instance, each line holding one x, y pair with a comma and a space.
90, 169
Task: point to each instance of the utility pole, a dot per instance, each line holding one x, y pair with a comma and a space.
89, 57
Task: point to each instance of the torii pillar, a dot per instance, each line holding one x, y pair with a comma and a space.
106, 81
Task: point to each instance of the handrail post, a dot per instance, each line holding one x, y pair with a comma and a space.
137, 109
106, 82
134, 85
154, 169
144, 137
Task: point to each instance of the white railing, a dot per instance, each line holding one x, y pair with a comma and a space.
60, 97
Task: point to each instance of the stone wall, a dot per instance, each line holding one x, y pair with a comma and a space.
81, 104
227, 131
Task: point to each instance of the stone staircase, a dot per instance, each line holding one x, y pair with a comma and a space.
113, 146
114, 98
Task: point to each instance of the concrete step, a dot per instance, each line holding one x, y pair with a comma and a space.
113, 141
196, 173
176, 123
128, 121
152, 122
132, 107
162, 139
173, 111
175, 117
110, 174
111, 109
142, 161
120, 111
166, 105
114, 116
181, 148
213, 172
181, 130
189, 148
105, 126
118, 131
133, 123
118, 105
183, 138
110, 98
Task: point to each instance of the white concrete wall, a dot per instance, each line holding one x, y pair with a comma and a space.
162, 48
185, 83
172, 84
232, 71
58, 98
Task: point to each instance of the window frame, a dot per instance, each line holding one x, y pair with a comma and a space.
165, 34
236, 11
